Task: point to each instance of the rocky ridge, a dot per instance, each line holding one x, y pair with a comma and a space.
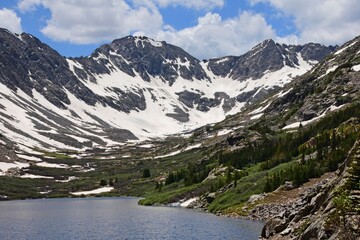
332, 84
133, 87
312, 215
315, 210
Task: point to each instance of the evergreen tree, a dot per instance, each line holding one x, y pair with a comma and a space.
228, 175
103, 182
146, 173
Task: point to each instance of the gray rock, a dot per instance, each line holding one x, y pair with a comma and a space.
287, 231
210, 197
288, 185
269, 227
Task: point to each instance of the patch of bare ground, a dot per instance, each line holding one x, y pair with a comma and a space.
265, 206
282, 196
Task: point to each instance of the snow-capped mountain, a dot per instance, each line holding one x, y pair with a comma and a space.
134, 88
331, 85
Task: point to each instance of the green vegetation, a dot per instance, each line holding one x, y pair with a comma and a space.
347, 200
146, 173
261, 161
263, 165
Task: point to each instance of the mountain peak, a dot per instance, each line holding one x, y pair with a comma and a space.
135, 77
143, 40
263, 44
268, 42
138, 41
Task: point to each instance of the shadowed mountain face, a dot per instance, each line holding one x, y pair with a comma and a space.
133, 88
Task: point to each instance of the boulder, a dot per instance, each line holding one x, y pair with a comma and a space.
287, 231
288, 185
256, 197
210, 197
306, 210
271, 227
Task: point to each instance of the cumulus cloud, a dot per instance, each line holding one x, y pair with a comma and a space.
214, 37
327, 21
28, 5
10, 20
198, 4
93, 21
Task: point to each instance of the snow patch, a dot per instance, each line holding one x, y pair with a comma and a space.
155, 43
52, 165
71, 178
192, 147
146, 146
46, 192
95, 191
224, 132
303, 123
222, 60
168, 155
333, 68
29, 158
257, 116
344, 48
35, 176
188, 202
356, 68
4, 166
282, 93
260, 109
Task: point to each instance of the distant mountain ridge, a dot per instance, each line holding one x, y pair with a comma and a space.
133, 88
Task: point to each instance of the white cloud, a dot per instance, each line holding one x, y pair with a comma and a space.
93, 21
197, 4
28, 5
327, 21
215, 37
10, 20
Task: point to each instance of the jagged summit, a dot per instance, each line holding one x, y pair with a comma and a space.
144, 57
133, 88
330, 85
268, 56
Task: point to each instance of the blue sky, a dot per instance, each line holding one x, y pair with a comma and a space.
204, 28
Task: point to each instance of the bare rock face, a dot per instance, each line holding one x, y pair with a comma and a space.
274, 225
314, 215
267, 56
101, 80
146, 57
332, 83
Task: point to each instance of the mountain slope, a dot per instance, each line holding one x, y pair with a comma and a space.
332, 84
291, 160
133, 88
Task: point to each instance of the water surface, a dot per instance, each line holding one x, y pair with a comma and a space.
114, 218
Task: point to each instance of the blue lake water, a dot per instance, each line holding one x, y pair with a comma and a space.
114, 218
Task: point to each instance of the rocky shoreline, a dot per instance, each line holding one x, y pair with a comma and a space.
297, 213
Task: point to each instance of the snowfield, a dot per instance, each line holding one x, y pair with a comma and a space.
4, 166
153, 122
95, 191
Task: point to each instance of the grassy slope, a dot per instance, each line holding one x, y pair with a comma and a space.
128, 173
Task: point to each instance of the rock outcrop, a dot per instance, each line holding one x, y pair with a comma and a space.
317, 213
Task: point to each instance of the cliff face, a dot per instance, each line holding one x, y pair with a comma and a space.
325, 208
132, 88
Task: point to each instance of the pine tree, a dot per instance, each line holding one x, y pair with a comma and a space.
267, 187
103, 182
228, 175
